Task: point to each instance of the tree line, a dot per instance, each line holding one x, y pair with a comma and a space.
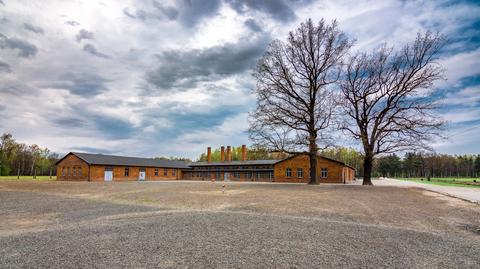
20, 159
412, 164
424, 164
253, 153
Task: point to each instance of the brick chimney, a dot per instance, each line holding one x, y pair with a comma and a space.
229, 154
244, 152
209, 154
222, 154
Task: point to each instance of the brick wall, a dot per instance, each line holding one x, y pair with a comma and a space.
334, 170
97, 173
72, 168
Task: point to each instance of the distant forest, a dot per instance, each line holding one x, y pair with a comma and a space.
20, 159
30, 160
252, 154
413, 164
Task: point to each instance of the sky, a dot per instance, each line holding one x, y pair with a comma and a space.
169, 78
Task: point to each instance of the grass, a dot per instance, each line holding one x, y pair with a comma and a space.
457, 182
27, 178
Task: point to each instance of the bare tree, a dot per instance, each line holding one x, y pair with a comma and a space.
388, 105
294, 98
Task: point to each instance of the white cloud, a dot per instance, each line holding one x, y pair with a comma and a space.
462, 65
39, 104
469, 97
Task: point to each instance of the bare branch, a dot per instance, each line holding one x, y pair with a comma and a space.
387, 97
295, 102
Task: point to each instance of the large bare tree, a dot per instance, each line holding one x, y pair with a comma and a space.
295, 102
388, 103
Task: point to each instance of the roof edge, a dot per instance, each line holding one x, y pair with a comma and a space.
71, 153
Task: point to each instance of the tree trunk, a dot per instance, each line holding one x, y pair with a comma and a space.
367, 169
313, 168
32, 168
312, 154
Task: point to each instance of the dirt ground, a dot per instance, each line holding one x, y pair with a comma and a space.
250, 225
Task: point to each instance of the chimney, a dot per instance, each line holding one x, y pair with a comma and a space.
222, 154
209, 154
229, 154
244, 152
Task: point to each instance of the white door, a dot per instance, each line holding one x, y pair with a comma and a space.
108, 176
225, 177
141, 175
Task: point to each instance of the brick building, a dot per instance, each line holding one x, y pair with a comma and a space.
97, 167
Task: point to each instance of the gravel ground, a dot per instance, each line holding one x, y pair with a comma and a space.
465, 193
194, 225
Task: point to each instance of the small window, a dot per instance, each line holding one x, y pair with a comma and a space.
68, 171
74, 171
156, 172
127, 171
165, 172
270, 176
174, 172
79, 172
324, 172
63, 171
259, 175
236, 174
299, 172
218, 175
248, 174
288, 172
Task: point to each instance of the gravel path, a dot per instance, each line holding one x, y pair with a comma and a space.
73, 226
469, 194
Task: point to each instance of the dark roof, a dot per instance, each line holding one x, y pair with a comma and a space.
248, 162
258, 162
101, 159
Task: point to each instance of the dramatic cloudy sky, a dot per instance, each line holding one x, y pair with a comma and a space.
151, 78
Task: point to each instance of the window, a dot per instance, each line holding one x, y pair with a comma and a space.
236, 174
299, 172
217, 175
165, 171
324, 172
127, 171
174, 172
79, 172
270, 176
248, 174
288, 172
156, 172
68, 171
74, 171
258, 175
63, 171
